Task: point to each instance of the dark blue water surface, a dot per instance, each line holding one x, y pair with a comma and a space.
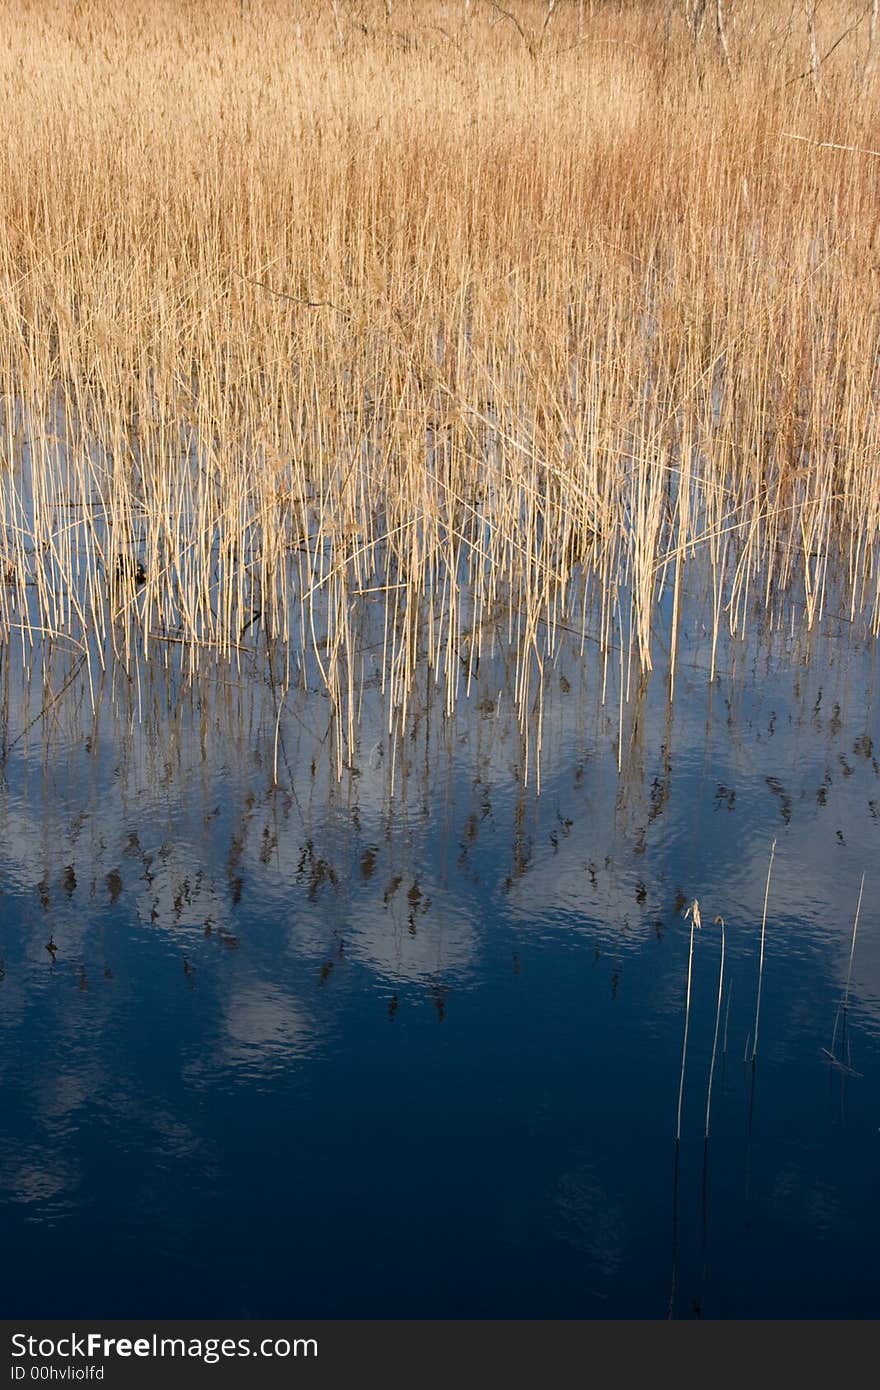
408, 1042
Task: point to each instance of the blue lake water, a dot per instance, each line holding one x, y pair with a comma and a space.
408, 1043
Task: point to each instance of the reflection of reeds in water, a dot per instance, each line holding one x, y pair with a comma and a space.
299, 320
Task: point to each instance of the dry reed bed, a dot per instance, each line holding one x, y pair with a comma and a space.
305, 312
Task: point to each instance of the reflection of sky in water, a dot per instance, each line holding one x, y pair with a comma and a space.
231, 1075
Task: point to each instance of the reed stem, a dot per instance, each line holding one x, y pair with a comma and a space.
761, 962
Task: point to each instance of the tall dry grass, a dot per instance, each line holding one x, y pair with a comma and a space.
437, 307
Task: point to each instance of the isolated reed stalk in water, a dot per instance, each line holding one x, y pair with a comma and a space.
694, 913
718, 920
761, 962
726, 1021
844, 1003
852, 948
